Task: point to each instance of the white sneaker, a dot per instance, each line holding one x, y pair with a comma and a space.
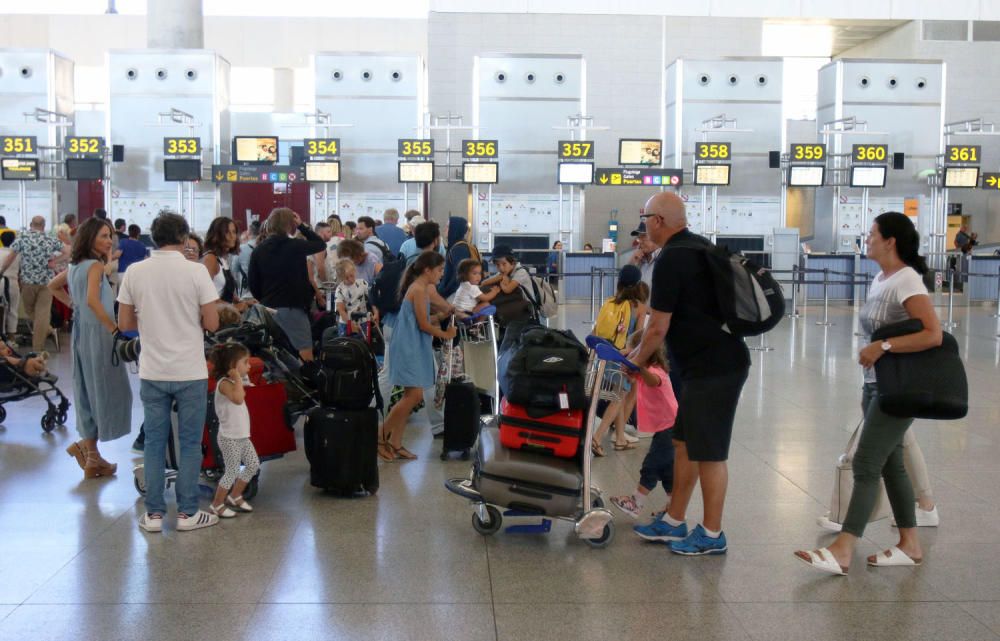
631, 430
151, 522
925, 518
196, 521
630, 439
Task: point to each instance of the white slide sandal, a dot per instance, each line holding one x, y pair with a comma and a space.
822, 560
893, 557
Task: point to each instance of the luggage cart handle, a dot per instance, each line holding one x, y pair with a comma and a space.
607, 352
593, 341
483, 313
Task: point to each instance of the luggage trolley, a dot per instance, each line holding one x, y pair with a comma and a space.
545, 486
477, 337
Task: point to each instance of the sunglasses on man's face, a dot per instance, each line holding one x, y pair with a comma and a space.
645, 217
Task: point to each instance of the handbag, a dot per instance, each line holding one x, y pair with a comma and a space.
843, 485
929, 384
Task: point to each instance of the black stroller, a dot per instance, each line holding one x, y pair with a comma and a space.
16, 385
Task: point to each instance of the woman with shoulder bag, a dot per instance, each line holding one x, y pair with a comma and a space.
897, 294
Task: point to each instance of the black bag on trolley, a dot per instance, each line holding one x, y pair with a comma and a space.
543, 369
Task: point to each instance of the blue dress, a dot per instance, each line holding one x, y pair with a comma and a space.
411, 351
102, 395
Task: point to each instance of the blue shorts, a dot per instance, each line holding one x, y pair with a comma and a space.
295, 323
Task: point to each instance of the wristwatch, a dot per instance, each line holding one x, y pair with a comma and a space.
886, 346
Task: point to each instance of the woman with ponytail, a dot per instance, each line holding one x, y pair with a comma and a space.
411, 354
897, 294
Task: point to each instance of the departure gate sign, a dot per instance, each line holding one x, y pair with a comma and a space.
415, 148
713, 150
189, 147
321, 148
638, 177
485, 149
18, 145
870, 153
84, 146
963, 153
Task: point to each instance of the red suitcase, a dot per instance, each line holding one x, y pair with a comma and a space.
270, 432
557, 434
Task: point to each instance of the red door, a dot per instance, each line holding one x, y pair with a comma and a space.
260, 198
89, 196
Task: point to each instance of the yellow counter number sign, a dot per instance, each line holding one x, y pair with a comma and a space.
182, 146
18, 144
576, 149
479, 149
811, 152
712, 150
415, 148
322, 147
84, 145
963, 153
870, 153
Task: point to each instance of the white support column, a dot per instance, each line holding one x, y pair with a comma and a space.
175, 24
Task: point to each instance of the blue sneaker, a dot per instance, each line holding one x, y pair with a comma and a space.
660, 531
699, 543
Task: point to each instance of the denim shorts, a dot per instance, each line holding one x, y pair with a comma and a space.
295, 323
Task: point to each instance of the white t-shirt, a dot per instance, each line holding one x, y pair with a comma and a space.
521, 276
354, 297
884, 305
167, 291
234, 420
465, 297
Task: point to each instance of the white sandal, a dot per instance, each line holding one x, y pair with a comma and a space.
893, 557
239, 504
222, 511
824, 561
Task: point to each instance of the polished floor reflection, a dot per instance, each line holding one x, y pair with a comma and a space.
407, 564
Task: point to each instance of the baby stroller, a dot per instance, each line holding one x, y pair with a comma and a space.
16, 385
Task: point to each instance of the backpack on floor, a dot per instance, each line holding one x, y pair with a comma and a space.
750, 299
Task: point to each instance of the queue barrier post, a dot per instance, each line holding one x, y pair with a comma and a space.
950, 323
794, 312
593, 295
997, 314
826, 299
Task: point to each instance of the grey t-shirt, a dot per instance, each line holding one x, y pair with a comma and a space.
884, 305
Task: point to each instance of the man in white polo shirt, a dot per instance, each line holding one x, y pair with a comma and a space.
172, 302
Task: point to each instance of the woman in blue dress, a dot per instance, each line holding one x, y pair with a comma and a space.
411, 354
102, 395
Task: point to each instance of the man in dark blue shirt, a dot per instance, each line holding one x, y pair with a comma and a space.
131, 248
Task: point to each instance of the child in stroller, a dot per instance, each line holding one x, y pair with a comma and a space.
22, 377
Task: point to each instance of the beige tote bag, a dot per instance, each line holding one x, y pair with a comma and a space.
843, 485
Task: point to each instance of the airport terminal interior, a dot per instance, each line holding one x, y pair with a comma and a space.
785, 128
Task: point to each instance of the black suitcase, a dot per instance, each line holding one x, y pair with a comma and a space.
342, 449
461, 418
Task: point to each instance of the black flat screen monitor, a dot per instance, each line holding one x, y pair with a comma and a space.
19, 169
712, 175
178, 170
806, 175
961, 177
84, 168
576, 173
255, 150
865, 176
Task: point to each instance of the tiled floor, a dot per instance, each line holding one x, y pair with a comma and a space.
407, 564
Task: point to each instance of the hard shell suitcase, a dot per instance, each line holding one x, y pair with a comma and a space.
525, 481
342, 449
557, 434
270, 431
461, 418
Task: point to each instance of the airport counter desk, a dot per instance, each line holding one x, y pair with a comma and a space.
846, 271
577, 284
984, 287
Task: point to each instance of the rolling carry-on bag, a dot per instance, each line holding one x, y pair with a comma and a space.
556, 434
342, 450
461, 418
525, 481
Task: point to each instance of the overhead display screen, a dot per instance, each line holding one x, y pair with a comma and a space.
639, 152
19, 168
806, 175
416, 172
181, 170
258, 150
712, 175
868, 176
323, 172
480, 173
576, 173
961, 177
84, 169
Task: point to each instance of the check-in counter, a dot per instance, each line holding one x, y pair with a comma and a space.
576, 285
839, 285
983, 287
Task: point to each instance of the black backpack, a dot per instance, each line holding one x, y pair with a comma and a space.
539, 364
384, 290
348, 375
750, 300
379, 244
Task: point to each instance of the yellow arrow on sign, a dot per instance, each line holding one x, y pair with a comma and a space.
218, 175
604, 179
991, 181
